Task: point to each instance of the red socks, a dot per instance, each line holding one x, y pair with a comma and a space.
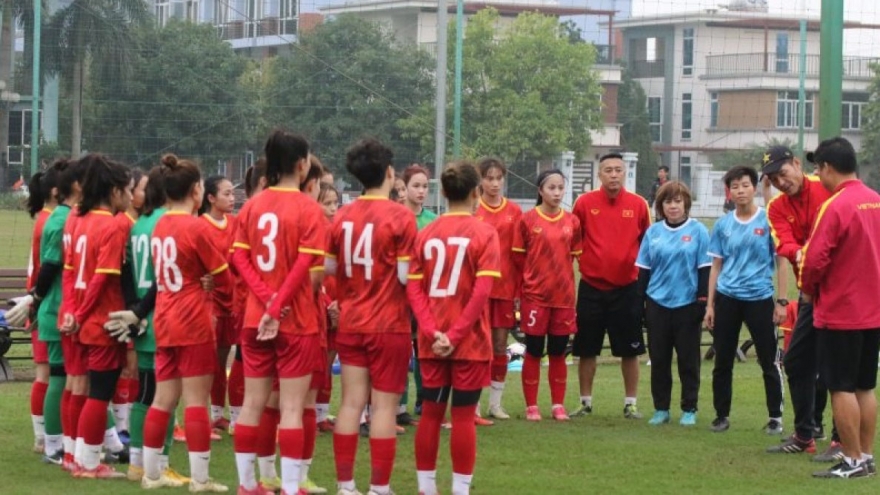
245, 439
197, 425
92, 421
428, 435
218, 387
344, 451
531, 374
121, 394
324, 394
235, 385
266, 432
463, 440
66, 428
38, 395
499, 367
290, 441
155, 428
310, 432
134, 388
558, 375
75, 411
382, 452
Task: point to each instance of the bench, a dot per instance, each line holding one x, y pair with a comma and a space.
12, 284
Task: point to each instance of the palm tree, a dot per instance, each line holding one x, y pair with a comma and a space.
90, 30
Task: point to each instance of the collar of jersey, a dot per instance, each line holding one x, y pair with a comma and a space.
457, 214
102, 211
215, 223
494, 209
284, 189
549, 218
674, 229
176, 212
373, 198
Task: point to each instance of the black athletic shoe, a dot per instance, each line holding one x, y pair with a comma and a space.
819, 433
871, 467
773, 427
843, 469
404, 419
720, 425
793, 445
120, 457
834, 453
364, 430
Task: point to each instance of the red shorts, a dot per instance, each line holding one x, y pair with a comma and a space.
460, 375
226, 330
76, 356
502, 313
185, 361
106, 358
39, 348
385, 355
286, 356
541, 320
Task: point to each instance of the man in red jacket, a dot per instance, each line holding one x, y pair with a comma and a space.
840, 271
791, 215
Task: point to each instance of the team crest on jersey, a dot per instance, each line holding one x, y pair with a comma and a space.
566, 230
790, 219
509, 218
537, 230
628, 213
759, 231
686, 238
595, 211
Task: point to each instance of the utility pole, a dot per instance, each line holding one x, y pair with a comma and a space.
440, 99
456, 121
802, 88
35, 102
830, 68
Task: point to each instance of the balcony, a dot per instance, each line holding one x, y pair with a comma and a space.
604, 54
751, 64
641, 69
268, 26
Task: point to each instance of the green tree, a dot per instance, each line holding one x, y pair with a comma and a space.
529, 90
87, 30
183, 95
869, 158
751, 155
635, 132
349, 78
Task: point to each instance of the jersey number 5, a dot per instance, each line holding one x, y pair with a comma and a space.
435, 248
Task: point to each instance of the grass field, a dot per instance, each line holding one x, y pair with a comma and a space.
15, 238
600, 454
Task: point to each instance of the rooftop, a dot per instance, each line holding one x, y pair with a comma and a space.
507, 7
733, 19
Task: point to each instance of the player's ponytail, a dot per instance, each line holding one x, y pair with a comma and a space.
459, 179
179, 176
40, 190
284, 150
542, 178
253, 175
102, 177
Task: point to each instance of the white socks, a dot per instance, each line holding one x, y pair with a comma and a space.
198, 466
290, 474
496, 389
304, 470
39, 425
112, 441
427, 482
152, 468
121, 413
90, 456
322, 411
245, 464
136, 457
461, 483
267, 467
216, 412
629, 401
587, 400
52, 444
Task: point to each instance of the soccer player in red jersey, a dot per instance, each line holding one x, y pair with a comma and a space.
547, 238
98, 246
328, 198
216, 210
370, 245
40, 204
282, 233
456, 260
504, 216
185, 346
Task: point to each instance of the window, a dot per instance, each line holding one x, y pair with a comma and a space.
288, 17
782, 53
162, 12
688, 51
192, 10
655, 117
851, 116
687, 108
651, 49
787, 110
684, 173
713, 109
19, 134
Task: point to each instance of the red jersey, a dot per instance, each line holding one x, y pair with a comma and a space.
278, 226
368, 239
451, 253
549, 244
505, 217
68, 305
222, 236
612, 231
182, 255
34, 260
792, 217
840, 266
98, 248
